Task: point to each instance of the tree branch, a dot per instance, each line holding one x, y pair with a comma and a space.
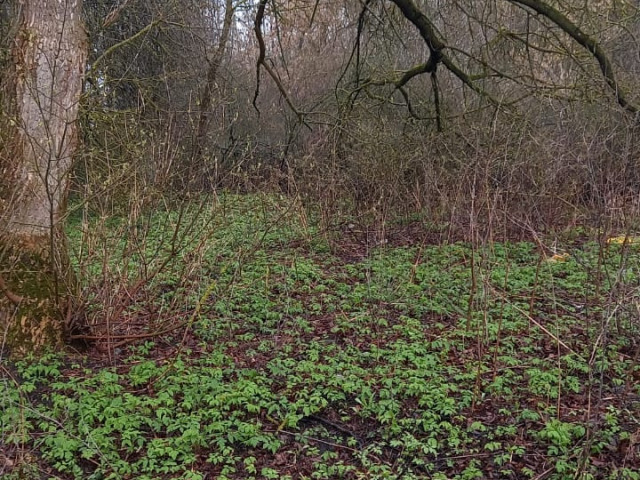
113, 16
427, 31
212, 73
257, 28
121, 44
591, 45
436, 46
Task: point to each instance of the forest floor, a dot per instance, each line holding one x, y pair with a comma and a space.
267, 347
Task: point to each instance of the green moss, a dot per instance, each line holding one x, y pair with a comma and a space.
36, 321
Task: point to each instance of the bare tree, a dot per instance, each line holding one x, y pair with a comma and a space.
212, 73
506, 42
49, 58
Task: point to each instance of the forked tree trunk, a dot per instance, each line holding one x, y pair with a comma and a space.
49, 58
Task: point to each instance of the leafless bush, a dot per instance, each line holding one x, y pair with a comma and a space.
548, 169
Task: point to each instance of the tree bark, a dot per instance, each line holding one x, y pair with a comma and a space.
49, 59
206, 97
212, 75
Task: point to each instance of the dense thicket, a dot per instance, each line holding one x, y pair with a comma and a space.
518, 117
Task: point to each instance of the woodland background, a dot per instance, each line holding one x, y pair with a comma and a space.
319, 239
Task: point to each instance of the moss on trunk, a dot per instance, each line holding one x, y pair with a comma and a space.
34, 298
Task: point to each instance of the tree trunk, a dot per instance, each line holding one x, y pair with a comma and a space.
207, 96
49, 58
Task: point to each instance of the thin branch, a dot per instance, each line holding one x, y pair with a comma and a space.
212, 73
113, 16
313, 14
591, 45
257, 27
284, 94
436, 100
121, 44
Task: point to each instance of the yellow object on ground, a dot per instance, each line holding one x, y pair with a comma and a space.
628, 239
558, 257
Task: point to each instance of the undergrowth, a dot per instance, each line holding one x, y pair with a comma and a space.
453, 361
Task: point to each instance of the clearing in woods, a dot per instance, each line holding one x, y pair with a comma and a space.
273, 348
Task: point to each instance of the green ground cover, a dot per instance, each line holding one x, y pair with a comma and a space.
292, 361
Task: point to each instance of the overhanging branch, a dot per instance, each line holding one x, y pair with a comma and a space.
589, 44
436, 46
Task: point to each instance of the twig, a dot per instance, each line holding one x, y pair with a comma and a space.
335, 445
539, 325
118, 45
113, 16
